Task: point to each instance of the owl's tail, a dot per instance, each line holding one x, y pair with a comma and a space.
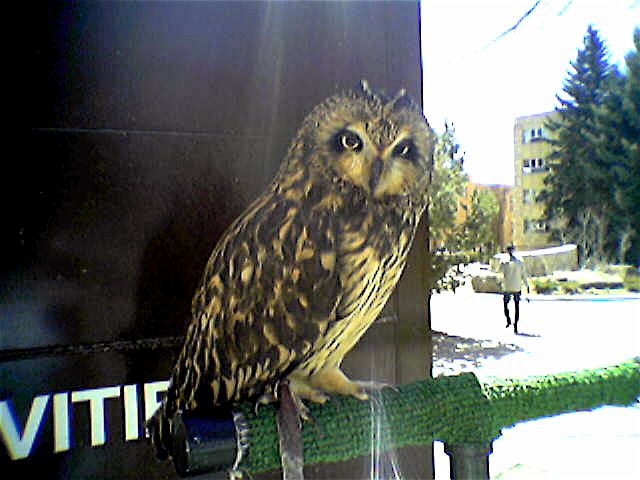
158, 428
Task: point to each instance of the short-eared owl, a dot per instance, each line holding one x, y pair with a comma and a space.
298, 278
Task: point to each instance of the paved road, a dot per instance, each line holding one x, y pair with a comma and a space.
556, 335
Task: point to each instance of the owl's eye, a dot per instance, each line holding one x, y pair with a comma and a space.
406, 150
348, 141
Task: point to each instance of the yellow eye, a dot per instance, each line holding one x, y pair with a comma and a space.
348, 141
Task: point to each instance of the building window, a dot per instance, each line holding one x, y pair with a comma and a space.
529, 195
539, 226
540, 165
537, 163
533, 135
534, 226
532, 165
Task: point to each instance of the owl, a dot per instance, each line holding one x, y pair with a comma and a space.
300, 276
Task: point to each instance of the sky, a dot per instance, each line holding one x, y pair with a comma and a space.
482, 86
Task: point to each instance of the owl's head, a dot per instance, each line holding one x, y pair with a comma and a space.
362, 139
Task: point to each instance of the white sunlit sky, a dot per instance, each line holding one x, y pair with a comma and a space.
482, 87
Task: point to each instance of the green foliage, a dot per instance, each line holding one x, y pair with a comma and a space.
477, 231
570, 287
448, 185
593, 193
632, 280
543, 285
476, 234
628, 129
549, 285
447, 270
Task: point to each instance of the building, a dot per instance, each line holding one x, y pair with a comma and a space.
531, 151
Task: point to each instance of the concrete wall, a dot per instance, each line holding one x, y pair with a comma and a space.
543, 261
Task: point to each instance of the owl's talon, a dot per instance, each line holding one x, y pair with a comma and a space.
301, 410
369, 386
264, 399
374, 386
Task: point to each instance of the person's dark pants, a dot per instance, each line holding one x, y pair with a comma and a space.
516, 300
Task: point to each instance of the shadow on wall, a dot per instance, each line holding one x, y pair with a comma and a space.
173, 262
174, 259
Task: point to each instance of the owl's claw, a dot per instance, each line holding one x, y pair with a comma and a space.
365, 386
264, 399
303, 412
301, 409
375, 386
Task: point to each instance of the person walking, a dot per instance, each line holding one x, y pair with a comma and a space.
514, 276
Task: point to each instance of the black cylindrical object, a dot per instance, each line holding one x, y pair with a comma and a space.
205, 443
469, 461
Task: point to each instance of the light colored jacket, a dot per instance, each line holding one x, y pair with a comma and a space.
514, 275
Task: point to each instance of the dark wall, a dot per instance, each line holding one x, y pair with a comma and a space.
148, 126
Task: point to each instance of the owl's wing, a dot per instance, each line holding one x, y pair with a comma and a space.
269, 291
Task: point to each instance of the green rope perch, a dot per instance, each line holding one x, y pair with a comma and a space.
455, 409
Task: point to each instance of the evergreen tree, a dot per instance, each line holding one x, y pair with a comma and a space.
617, 141
629, 131
580, 192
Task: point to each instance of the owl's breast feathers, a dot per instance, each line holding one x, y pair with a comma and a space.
300, 268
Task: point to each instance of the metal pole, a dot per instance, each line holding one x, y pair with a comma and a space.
469, 461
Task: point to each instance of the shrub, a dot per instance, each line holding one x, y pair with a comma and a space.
570, 287
543, 285
632, 280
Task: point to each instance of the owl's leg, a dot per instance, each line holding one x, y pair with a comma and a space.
333, 380
302, 388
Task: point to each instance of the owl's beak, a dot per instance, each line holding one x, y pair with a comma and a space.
376, 172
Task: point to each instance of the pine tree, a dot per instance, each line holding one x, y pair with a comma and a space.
629, 131
580, 192
618, 125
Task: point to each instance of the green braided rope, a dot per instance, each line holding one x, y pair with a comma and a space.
455, 409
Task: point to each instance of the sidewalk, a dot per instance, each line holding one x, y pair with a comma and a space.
562, 333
